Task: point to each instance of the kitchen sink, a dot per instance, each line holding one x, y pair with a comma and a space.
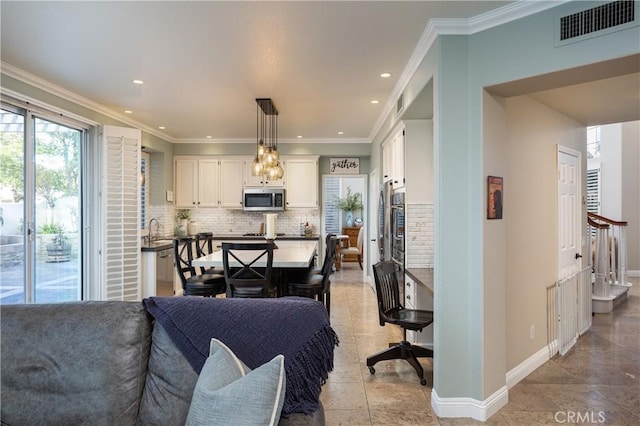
160, 243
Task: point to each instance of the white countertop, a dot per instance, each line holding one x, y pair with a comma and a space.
289, 254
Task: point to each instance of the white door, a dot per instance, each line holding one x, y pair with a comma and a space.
569, 212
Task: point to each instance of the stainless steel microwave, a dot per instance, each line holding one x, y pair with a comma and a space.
263, 199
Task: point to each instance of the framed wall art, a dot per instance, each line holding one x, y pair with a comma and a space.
495, 195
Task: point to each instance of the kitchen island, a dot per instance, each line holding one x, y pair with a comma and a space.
289, 254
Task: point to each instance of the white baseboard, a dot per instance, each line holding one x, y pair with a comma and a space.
482, 410
530, 364
469, 407
634, 274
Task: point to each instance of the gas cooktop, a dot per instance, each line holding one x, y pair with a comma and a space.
258, 234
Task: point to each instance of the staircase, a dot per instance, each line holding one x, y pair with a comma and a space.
609, 262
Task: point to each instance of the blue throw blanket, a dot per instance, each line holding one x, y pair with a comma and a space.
256, 330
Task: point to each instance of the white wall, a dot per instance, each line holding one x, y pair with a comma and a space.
631, 192
531, 260
611, 171
620, 182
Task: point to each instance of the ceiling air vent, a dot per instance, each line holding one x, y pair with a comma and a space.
597, 21
400, 104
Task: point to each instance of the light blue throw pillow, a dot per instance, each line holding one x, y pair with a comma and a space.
230, 393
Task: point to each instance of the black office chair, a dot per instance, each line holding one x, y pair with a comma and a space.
193, 284
391, 311
204, 246
317, 286
243, 279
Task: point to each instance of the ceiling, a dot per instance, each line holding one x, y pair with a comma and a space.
204, 63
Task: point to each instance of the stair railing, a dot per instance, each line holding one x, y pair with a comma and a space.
609, 248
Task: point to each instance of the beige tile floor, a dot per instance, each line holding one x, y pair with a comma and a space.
601, 373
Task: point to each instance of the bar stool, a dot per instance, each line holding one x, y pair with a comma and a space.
204, 246
208, 285
318, 286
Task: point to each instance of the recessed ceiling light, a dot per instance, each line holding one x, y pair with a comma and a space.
161, 127
375, 101
128, 111
208, 137
299, 136
138, 81
341, 133
385, 75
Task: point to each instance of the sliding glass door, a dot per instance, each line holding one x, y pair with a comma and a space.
40, 202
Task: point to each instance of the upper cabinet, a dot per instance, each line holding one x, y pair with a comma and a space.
301, 181
208, 182
393, 159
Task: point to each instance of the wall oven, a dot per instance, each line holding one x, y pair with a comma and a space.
397, 228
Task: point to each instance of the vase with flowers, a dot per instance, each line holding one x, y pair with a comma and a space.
183, 216
350, 203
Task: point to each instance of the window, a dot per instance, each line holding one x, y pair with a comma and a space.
144, 189
593, 142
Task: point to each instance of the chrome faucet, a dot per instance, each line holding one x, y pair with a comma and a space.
151, 237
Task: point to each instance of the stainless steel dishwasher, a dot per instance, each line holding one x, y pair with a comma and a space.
164, 272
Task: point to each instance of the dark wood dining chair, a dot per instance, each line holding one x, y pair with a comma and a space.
204, 246
317, 286
194, 284
391, 311
244, 279
357, 250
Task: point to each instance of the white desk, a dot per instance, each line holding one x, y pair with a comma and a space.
289, 254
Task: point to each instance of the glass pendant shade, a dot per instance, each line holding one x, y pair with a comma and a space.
280, 171
256, 167
269, 159
261, 148
272, 173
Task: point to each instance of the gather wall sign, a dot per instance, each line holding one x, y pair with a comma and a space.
344, 166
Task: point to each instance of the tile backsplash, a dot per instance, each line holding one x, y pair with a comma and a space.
419, 234
231, 221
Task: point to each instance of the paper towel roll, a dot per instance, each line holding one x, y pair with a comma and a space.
270, 220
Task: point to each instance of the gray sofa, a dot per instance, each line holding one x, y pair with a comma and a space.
95, 363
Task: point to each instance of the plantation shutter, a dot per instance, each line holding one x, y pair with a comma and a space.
121, 213
593, 191
331, 212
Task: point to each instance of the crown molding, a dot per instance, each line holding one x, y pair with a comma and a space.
443, 26
39, 83
280, 141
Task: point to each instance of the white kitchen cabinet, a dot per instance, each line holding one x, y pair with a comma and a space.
251, 181
393, 159
409, 292
185, 177
417, 296
208, 182
301, 181
230, 189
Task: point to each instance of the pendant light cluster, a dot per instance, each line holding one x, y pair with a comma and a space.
267, 160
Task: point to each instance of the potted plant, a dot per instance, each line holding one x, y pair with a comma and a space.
183, 216
58, 249
350, 203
